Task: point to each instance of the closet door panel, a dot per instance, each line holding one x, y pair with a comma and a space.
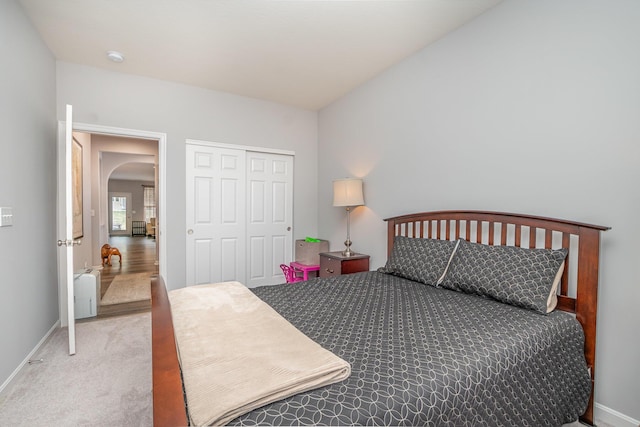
230, 256
270, 202
257, 252
203, 249
215, 204
239, 215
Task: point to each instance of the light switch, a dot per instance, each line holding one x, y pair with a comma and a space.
6, 217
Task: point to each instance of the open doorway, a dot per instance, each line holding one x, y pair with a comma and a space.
130, 220
121, 201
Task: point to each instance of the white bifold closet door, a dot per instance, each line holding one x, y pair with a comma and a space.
239, 215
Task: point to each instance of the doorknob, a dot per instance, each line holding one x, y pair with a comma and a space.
288, 228
189, 231
69, 242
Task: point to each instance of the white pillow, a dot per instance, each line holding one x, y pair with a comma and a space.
552, 301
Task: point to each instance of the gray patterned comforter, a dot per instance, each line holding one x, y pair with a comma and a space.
426, 356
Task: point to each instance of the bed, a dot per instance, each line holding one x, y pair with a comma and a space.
445, 353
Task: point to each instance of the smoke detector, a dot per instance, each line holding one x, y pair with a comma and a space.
115, 56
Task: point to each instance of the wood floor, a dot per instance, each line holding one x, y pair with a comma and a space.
138, 256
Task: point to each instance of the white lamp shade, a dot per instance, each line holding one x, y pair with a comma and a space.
347, 192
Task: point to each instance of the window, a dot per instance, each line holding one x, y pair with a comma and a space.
149, 203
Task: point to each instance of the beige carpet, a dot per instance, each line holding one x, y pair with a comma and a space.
128, 288
106, 384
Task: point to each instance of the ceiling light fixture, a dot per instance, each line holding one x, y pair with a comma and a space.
115, 56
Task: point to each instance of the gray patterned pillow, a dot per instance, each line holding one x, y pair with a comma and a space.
420, 260
516, 276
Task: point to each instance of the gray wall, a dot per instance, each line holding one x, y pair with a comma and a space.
534, 107
28, 272
184, 112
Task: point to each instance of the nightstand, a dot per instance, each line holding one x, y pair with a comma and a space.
335, 264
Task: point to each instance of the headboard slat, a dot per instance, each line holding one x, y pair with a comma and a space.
548, 239
564, 284
532, 237
491, 231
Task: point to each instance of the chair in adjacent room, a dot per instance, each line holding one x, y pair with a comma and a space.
151, 227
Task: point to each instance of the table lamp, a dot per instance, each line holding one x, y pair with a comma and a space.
348, 193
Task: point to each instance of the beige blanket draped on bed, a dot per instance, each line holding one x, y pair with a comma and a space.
238, 354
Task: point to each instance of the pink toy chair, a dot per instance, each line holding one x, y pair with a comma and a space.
290, 274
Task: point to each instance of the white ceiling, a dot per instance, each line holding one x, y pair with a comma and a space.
305, 53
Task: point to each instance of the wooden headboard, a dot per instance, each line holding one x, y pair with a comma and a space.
578, 292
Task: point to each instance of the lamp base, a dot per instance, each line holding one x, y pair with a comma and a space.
348, 252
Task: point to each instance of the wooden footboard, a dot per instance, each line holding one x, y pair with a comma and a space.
497, 228
169, 407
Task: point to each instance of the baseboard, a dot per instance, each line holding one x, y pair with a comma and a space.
614, 418
26, 359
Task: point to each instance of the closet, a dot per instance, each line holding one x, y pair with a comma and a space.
239, 210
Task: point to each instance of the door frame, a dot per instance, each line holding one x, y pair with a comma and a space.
241, 147
162, 193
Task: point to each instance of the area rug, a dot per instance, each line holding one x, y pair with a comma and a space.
128, 288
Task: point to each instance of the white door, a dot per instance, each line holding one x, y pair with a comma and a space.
65, 228
269, 221
239, 215
215, 199
120, 214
